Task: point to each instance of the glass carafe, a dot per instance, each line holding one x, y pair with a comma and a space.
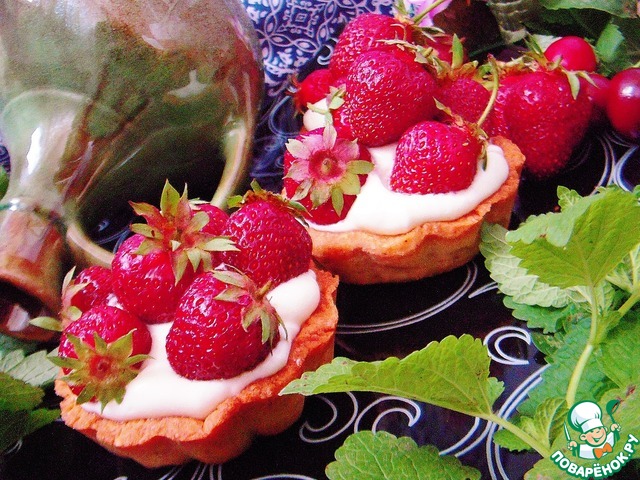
100, 102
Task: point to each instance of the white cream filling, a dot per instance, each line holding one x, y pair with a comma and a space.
158, 391
377, 209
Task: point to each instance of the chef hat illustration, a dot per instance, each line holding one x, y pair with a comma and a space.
585, 416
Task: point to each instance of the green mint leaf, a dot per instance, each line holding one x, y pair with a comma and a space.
549, 320
618, 354
583, 243
9, 344
614, 7
34, 369
381, 456
512, 279
555, 379
625, 276
508, 440
16, 395
548, 421
12, 427
453, 373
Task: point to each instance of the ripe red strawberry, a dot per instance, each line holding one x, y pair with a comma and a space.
324, 172
101, 352
387, 92
145, 283
313, 88
496, 125
152, 269
435, 157
224, 326
464, 96
217, 217
366, 32
273, 246
545, 120
93, 286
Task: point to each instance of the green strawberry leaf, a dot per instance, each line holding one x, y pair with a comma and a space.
453, 373
514, 280
583, 243
382, 456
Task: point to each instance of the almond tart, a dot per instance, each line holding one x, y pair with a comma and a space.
231, 426
432, 248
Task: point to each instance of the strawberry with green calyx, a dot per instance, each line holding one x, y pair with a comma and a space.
313, 88
335, 113
364, 33
101, 352
324, 173
224, 326
386, 93
93, 286
153, 267
440, 157
273, 245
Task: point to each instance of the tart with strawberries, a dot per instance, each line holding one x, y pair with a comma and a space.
243, 312
405, 152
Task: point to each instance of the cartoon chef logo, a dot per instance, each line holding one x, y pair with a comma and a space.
586, 418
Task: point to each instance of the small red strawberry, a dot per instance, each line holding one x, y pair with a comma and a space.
223, 327
386, 93
435, 157
101, 352
145, 282
366, 32
313, 88
545, 120
273, 246
93, 286
324, 173
465, 96
151, 269
217, 217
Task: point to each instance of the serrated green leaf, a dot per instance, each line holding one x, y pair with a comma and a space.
16, 395
382, 456
555, 379
34, 369
582, 244
510, 441
9, 344
512, 279
618, 355
548, 421
548, 320
453, 373
620, 8
627, 273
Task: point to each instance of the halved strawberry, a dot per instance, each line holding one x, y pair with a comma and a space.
223, 327
101, 352
324, 173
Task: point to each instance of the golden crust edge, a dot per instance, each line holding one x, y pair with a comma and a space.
429, 249
231, 427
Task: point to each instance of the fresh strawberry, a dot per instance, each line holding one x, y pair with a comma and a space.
324, 173
387, 92
217, 217
152, 268
145, 282
93, 286
435, 157
443, 46
464, 96
273, 245
101, 352
545, 120
496, 125
312, 89
223, 327
366, 32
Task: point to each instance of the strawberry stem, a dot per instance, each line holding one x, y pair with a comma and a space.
495, 84
418, 18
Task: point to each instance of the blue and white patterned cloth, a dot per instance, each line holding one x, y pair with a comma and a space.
295, 36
